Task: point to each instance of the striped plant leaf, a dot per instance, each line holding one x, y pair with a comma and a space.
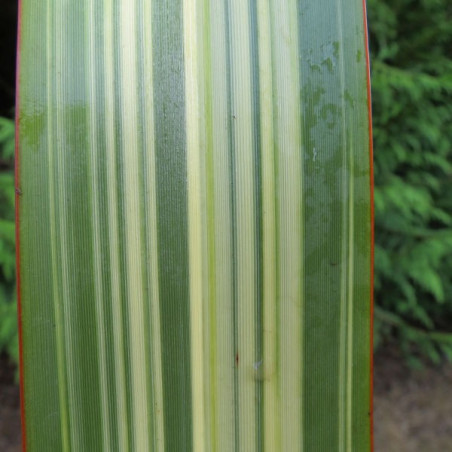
194, 235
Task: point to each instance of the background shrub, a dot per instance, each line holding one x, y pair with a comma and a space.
8, 310
411, 48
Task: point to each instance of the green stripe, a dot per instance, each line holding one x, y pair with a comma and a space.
258, 239
145, 123
324, 205
347, 251
169, 112
95, 186
330, 78
75, 288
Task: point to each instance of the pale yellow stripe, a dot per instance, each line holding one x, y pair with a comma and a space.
245, 219
288, 139
151, 237
203, 41
133, 244
113, 229
195, 226
97, 256
271, 422
223, 387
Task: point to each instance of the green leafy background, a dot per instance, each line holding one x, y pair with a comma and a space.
411, 48
8, 310
411, 60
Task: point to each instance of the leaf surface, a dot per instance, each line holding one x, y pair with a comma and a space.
195, 225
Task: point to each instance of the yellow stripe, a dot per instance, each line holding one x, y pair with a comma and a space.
271, 421
208, 219
288, 141
223, 387
131, 151
195, 226
245, 219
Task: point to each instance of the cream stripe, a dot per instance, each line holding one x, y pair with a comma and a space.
194, 221
224, 359
130, 155
288, 139
210, 213
113, 229
245, 210
206, 190
97, 257
271, 421
151, 236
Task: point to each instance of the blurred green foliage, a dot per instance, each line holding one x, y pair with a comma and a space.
8, 309
411, 50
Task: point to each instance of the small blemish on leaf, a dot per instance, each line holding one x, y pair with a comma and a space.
358, 56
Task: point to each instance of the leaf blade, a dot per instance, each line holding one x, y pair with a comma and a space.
203, 187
